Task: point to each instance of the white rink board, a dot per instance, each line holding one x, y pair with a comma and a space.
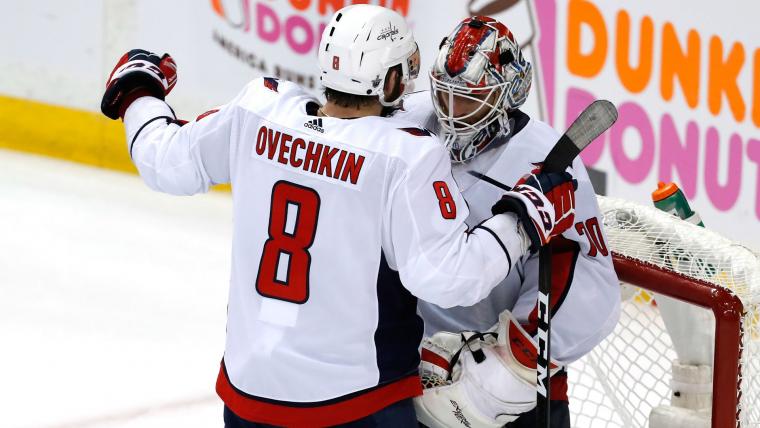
63, 51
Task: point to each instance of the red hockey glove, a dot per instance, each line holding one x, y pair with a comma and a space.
138, 73
544, 203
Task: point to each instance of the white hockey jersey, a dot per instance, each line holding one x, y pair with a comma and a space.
585, 303
331, 217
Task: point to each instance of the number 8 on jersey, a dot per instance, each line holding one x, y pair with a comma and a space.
445, 200
289, 240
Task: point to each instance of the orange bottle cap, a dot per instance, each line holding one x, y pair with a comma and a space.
664, 190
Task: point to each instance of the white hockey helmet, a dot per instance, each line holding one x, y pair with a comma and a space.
358, 47
479, 65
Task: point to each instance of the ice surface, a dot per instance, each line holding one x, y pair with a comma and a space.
112, 299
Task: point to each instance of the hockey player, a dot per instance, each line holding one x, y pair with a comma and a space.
479, 81
342, 219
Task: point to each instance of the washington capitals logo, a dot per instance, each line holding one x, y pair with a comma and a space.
388, 32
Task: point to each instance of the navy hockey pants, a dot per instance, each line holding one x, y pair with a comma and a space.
400, 414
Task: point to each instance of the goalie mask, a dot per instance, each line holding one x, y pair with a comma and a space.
480, 74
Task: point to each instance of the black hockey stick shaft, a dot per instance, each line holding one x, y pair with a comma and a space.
490, 180
543, 372
543, 382
595, 119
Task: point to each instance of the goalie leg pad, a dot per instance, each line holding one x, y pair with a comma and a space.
482, 395
675, 417
692, 386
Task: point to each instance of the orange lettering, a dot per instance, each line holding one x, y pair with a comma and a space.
300, 4
217, 6
679, 64
582, 12
634, 79
722, 78
756, 96
335, 4
400, 6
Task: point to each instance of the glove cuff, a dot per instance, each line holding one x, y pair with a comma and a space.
117, 98
509, 204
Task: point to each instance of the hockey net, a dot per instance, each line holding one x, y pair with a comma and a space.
628, 374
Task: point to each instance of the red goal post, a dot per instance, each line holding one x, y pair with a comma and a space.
625, 377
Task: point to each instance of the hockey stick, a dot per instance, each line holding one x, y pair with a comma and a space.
595, 119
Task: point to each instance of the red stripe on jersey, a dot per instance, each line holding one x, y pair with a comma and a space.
208, 113
271, 83
564, 256
337, 411
417, 132
435, 359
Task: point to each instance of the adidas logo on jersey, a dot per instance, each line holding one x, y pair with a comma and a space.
315, 124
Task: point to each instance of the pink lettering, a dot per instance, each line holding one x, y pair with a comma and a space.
634, 117
291, 25
723, 196
679, 155
267, 17
753, 153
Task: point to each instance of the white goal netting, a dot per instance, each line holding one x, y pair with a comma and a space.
625, 377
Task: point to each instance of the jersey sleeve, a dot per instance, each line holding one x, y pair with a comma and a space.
176, 158
585, 297
439, 260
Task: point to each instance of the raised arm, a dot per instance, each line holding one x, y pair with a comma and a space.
172, 156
177, 158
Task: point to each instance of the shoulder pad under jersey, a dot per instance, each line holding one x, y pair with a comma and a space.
417, 132
271, 83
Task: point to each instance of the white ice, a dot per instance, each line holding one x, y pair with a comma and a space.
112, 299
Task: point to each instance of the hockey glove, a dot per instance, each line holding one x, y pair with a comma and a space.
544, 203
138, 73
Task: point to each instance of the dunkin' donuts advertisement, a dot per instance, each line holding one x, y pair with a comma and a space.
687, 88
